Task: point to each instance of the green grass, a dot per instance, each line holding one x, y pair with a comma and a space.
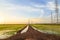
48, 27
44, 27
14, 27
11, 26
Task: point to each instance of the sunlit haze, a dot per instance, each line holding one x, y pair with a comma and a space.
21, 11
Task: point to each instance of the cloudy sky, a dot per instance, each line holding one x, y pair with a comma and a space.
20, 11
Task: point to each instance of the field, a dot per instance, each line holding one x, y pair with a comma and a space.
7, 30
49, 28
12, 28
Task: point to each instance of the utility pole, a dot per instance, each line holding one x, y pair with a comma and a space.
56, 10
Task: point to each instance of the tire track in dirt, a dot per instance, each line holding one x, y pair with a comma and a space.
32, 34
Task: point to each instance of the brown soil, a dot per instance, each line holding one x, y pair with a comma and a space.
33, 34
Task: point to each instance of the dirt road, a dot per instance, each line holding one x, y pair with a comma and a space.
29, 33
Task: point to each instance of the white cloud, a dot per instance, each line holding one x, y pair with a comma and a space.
8, 7
51, 5
9, 12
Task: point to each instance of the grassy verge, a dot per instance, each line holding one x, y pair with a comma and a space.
14, 27
11, 26
48, 27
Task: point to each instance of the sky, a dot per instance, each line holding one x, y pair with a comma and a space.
20, 11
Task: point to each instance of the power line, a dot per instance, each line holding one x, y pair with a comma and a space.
56, 9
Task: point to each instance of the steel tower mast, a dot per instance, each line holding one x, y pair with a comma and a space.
56, 10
